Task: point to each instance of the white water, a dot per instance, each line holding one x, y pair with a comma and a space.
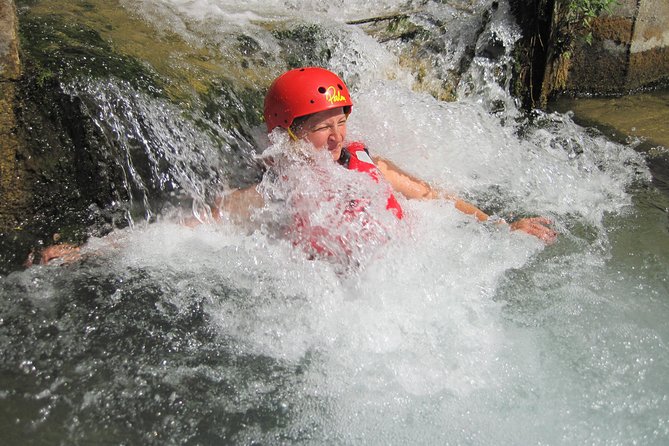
453, 332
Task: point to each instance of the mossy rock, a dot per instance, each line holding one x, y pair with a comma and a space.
53, 48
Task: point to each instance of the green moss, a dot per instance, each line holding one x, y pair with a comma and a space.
242, 106
52, 47
585, 11
580, 14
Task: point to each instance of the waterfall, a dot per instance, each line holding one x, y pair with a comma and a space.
448, 332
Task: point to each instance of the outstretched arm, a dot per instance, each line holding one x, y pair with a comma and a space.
238, 205
415, 188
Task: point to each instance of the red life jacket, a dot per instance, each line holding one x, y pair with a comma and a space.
356, 157
317, 240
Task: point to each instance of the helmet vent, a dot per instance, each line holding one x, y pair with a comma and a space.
321, 90
340, 87
312, 101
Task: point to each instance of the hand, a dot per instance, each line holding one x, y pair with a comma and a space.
536, 226
66, 252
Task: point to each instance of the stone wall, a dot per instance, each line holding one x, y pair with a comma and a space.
629, 50
649, 49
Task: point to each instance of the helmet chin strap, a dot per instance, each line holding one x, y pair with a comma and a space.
292, 135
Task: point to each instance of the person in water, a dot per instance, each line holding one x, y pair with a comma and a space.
313, 104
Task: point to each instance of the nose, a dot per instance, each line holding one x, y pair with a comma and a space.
336, 134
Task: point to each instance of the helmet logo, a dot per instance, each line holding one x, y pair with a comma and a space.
332, 95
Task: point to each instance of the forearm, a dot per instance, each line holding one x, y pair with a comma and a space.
469, 209
404, 183
412, 187
415, 188
238, 204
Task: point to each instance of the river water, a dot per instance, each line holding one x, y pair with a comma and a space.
450, 332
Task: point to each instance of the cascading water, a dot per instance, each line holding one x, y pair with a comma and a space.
447, 332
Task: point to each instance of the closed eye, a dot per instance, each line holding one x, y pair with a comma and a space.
321, 128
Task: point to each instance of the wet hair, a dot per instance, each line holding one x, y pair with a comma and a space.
298, 123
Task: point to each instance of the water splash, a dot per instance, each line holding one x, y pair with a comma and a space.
450, 332
161, 151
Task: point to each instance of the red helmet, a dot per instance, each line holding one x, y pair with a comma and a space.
301, 92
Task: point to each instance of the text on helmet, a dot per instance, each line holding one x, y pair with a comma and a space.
332, 95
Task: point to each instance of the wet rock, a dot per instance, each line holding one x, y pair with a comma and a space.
649, 49
56, 176
629, 51
620, 52
13, 190
9, 55
437, 50
80, 155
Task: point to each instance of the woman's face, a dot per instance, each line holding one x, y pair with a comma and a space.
326, 130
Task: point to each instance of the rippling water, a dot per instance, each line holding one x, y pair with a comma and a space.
452, 332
